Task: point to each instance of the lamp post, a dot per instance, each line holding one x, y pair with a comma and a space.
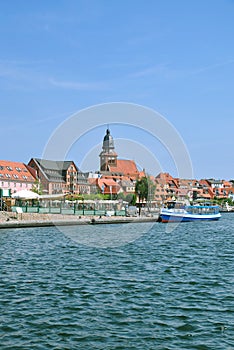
1, 206
83, 205
139, 197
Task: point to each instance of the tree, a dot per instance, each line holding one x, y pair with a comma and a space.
131, 198
141, 188
151, 190
145, 189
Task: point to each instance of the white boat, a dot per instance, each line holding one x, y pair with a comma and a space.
179, 212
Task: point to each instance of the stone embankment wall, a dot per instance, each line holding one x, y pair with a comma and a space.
9, 216
9, 219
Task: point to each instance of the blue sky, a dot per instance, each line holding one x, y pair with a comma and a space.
175, 57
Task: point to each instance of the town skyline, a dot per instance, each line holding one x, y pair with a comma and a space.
94, 160
116, 177
172, 57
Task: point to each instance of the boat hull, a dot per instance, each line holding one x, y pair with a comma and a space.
186, 217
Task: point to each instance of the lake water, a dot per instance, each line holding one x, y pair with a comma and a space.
160, 291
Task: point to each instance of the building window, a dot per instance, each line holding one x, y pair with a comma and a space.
9, 168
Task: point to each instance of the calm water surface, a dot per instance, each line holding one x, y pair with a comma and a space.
162, 291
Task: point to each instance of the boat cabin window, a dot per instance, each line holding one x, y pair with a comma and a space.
175, 205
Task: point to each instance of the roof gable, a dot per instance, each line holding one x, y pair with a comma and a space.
57, 165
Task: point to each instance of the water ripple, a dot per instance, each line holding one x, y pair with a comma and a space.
162, 291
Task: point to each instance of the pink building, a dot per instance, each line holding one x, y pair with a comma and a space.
15, 176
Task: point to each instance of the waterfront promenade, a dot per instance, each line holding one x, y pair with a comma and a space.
14, 220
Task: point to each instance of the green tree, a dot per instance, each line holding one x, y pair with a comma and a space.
145, 189
141, 188
131, 198
121, 195
151, 189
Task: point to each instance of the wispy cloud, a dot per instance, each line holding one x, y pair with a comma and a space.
36, 120
22, 75
213, 66
74, 85
160, 68
169, 71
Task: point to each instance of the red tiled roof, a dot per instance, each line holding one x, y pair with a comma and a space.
230, 190
204, 183
142, 174
227, 184
164, 176
173, 183
126, 178
160, 181
185, 182
182, 191
125, 167
92, 181
205, 195
32, 171
15, 171
110, 186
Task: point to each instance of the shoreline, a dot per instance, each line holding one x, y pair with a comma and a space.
13, 220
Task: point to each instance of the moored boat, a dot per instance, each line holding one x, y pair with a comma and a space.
179, 212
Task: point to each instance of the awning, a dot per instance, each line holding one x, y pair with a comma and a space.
25, 194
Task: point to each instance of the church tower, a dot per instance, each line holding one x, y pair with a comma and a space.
108, 155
